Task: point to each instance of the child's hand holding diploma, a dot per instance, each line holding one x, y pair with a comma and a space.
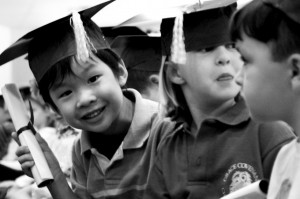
26, 160
26, 137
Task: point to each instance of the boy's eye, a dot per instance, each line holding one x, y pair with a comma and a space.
205, 50
93, 79
65, 93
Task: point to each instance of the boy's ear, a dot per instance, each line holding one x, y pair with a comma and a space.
123, 74
294, 63
154, 79
174, 74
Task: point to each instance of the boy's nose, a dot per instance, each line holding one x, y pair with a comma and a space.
85, 98
223, 57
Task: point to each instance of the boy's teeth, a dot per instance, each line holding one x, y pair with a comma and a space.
93, 114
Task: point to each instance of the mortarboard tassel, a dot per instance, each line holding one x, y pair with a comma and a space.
178, 53
83, 43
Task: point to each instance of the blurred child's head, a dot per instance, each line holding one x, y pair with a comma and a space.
4, 114
142, 58
267, 36
206, 77
42, 114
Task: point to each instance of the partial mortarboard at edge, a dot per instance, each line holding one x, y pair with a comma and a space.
55, 41
111, 33
290, 7
1, 101
138, 52
205, 27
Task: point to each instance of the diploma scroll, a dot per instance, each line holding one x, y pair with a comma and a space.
19, 114
256, 190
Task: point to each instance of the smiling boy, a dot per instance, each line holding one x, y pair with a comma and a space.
82, 79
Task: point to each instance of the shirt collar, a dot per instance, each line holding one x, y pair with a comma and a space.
139, 129
237, 114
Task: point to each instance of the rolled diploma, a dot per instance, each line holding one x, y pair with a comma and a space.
19, 114
256, 190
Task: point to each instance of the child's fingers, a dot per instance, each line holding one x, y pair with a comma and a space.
25, 159
26, 167
23, 152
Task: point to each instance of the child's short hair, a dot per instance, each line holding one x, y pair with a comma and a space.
265, 23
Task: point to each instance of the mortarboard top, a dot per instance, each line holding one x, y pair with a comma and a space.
55, 41
290, 7
205, 27
139, 52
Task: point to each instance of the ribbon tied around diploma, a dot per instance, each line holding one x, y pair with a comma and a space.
29, 126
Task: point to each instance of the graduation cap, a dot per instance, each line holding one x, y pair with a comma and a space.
290, 7
55, 41
139, 52
197, 29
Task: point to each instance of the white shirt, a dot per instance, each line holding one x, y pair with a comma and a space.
285, 178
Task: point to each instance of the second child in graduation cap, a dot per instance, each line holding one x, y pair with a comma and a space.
216, 148
82, 79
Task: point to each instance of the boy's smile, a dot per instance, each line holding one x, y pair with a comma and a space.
90, 115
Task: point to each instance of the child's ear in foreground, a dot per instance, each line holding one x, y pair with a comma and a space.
123, 74
174, 74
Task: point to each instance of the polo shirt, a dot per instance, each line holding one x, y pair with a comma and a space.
224, 155
126, 174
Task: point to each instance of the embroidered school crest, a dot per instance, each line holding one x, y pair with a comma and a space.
237, 176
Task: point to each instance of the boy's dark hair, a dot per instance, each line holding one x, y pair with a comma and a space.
261, 21
58, 72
